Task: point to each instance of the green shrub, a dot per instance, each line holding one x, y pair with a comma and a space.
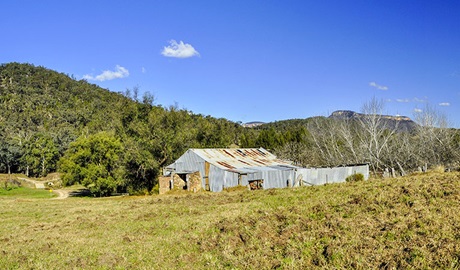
155, 190
355, 177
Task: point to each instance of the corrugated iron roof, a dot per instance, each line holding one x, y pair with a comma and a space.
234, 159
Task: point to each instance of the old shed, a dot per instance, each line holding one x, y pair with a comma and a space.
223, 168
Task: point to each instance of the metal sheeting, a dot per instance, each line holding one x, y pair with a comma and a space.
278, 178
226, 172
274, 177
186, 163
234, 159
220, 179
320, 176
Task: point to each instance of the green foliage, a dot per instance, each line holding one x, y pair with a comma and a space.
6, 185
156, 189
9, 155
40, 155
42, 112
140, 166
355, 177
94, 162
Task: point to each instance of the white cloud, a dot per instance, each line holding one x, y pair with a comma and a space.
422, 100
179, 50
416, 100
444, 104
120, 72
143, 70
417, 110
380, 87
402, 100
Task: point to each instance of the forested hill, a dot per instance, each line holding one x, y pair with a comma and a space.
118, 142
36, 99
42, 112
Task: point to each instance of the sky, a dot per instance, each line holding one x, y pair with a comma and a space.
250, 60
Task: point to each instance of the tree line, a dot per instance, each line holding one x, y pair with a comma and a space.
372, 138
119, 142
110, 142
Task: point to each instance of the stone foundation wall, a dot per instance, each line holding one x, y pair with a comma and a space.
194, 180
163, 182
179, 184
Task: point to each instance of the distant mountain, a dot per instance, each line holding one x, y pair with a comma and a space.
400, 122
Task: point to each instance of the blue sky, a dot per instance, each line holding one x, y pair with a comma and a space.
250, 60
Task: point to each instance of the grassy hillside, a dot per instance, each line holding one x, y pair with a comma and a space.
409, 222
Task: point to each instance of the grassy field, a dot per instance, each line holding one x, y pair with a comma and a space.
27, 193
411, 222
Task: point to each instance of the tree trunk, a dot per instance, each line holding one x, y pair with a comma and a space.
403, 173
43, 167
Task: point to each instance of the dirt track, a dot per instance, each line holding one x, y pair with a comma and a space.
62, 194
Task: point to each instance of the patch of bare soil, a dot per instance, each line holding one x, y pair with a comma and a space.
62, 194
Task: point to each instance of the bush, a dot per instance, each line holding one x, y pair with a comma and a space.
355, 177
94, 161
156, 189
8, 185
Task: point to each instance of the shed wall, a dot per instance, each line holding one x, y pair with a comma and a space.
274, 176
320, 176
278, 178
219, 178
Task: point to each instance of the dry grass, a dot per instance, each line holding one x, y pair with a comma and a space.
411, 222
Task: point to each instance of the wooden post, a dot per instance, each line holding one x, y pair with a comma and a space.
187, 181
206, 175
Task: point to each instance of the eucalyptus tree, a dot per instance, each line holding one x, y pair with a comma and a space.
9, 155
39, 155
375, 134
95, 161
434, 140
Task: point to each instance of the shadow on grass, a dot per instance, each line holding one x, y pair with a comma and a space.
82, 192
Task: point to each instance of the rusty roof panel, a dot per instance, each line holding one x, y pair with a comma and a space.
243, 162
240, 158
228, 153
225, 165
